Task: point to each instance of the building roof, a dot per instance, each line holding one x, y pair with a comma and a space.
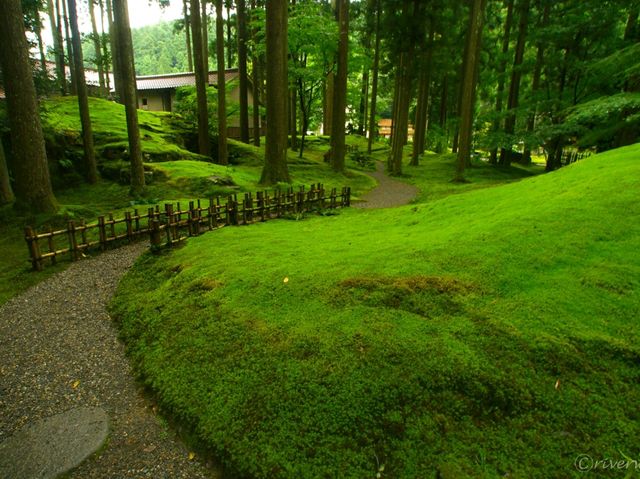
174, 80
143, 83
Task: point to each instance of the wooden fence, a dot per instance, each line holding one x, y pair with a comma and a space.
569, 157
173, 224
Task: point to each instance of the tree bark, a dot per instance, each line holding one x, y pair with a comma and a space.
204, 20
91, 171
374, 84
113, 39
204, 144
422, 109
328, 103
105, 50
223, 157
502, 67
54, 20
32, 185
275, 164
187, 33
38, 32
340, 90
535, 85
516, 76
6, 193
128, 76
72, 70
401, 116
98, 49
444, 93
241, 15
256, 90
292, 106
474, 38
229, 36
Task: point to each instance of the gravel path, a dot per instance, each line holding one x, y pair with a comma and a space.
389, 192
59, 350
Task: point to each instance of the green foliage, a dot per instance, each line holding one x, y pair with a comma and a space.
186, 106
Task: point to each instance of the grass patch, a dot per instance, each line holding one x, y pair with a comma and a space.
484, 334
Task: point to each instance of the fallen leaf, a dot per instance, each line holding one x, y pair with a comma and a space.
285, 280
192, 455
558, 384
75, 384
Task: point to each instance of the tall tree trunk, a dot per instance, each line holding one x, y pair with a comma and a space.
229, 36
441, 147
293, 118
57, 46
43, 58
204, 144
535, 85
340, 90
374, 84
128, 76
204, 19
422, 109
474, 38
32, 185
115, 57
223, 157
70, 62
275, 163
105, 49
6, 193
502, 67
98, 49
401, 116
364, 90
187, 33
243, 38
516, 76
362, 110
91, 171
328, 103
256, 89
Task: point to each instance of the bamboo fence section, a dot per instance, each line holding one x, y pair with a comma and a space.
173, 224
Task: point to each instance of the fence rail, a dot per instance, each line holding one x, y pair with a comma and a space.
173, 224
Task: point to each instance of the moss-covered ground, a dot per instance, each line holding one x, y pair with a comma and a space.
491, 333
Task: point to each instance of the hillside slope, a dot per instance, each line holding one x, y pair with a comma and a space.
486, 334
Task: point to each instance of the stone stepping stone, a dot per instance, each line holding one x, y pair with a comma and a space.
54, 445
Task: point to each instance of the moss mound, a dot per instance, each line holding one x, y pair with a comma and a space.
486, 334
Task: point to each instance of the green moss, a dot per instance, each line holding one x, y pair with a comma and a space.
482, 334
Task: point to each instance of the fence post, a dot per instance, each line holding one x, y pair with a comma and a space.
348, 203
34, 249
129, 223
321, 196
137, 218
73, 244
245, 213
113, 226
102, 233
154, 235
52, 246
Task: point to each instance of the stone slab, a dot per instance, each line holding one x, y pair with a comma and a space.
54, 445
